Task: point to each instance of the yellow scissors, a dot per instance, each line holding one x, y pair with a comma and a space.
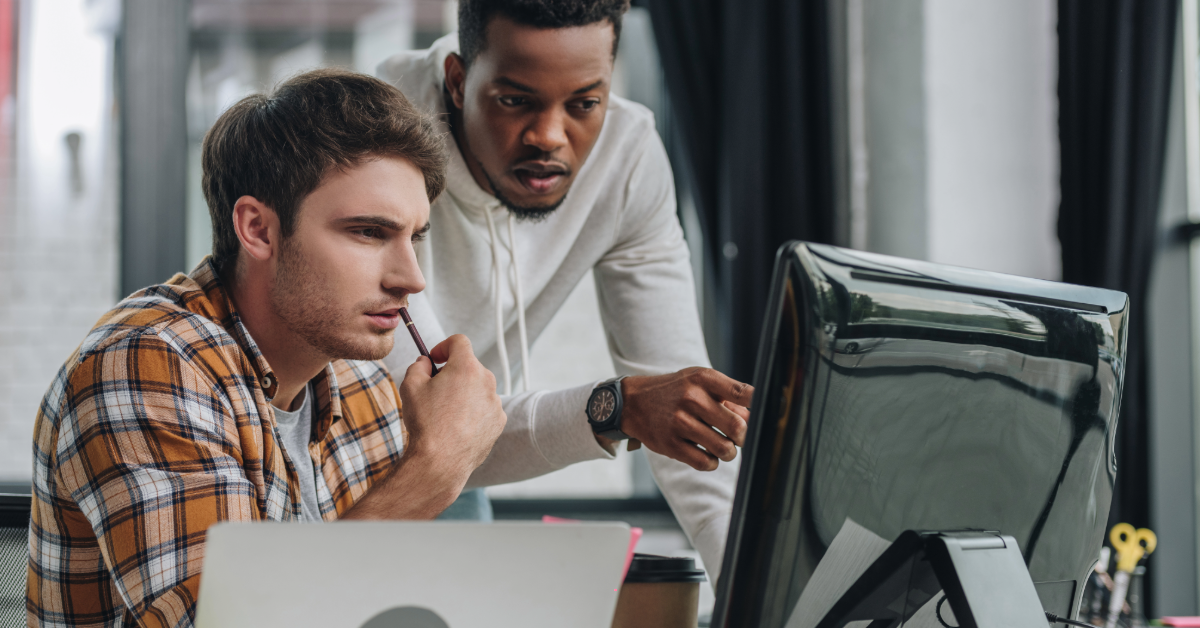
1131, 544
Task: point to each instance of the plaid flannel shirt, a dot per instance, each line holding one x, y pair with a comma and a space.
159, 426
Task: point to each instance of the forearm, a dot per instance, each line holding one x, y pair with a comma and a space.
421, 486
546, 431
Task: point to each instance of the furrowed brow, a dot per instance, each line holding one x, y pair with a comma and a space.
504, 80
375, 221
589, 87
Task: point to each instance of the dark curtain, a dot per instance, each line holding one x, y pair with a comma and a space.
1115, 68
749, 87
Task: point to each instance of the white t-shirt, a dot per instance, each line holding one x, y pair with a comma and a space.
295, 432
618, 220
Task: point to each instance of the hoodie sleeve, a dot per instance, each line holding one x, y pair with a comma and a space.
546, 430
648, 305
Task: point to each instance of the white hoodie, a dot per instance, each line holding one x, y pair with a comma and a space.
619, 220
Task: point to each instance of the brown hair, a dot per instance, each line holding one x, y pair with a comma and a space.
278, 146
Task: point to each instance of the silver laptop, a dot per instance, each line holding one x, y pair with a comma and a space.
412, 575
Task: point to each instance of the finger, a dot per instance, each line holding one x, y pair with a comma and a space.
716, 443
741, 411
717, 415
726, 388
417, 375
456, 344
696, 458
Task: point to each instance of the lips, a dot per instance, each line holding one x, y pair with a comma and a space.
540, 177
386, 319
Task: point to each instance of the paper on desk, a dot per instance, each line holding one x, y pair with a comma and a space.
851, 552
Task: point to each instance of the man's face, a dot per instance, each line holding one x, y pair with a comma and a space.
350, 263
533, 104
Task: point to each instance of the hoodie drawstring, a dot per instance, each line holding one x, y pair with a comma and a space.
501, 346
512, 240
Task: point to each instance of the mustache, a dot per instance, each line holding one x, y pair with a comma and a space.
385, 304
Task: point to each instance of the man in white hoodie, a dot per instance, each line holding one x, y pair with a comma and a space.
551, 176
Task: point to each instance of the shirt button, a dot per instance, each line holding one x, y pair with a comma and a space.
268, 381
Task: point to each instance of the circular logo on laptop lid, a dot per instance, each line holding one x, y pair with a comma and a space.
406, 617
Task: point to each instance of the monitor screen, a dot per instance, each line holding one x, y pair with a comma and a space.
905, 395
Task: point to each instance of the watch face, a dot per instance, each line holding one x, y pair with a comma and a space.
602, 405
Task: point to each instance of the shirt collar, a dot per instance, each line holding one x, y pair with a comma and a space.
326, 401
461, 184
222, 309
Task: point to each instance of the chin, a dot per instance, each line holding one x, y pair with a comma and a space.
378, 348
362, 347
532, 210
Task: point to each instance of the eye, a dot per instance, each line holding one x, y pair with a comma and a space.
370, 233
419, 236
513, 101
588, 105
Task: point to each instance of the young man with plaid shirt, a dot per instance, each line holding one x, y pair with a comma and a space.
247, 390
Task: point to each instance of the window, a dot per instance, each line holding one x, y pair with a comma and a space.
58, 201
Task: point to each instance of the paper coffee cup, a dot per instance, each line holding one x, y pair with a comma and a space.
659, 592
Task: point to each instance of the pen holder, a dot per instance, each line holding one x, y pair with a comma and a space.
659, 592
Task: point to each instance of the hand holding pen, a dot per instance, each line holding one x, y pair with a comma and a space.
412, 329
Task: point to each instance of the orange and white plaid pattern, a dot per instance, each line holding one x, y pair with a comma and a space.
159, 426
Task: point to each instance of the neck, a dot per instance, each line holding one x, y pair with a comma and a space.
293, 361
459, 131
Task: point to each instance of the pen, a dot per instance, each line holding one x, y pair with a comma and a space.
412, 329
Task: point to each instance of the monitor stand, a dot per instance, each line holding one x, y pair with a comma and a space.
984, 576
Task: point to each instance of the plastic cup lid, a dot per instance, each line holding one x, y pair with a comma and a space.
651, 568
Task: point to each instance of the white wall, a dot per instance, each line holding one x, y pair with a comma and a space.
992, 135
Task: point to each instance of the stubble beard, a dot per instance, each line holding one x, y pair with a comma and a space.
527, 213
313, 315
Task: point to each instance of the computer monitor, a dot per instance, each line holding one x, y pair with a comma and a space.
906, 395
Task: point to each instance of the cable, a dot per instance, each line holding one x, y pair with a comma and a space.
1055, 618
1051, 617
938, 611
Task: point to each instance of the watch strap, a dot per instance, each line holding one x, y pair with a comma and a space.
614, 435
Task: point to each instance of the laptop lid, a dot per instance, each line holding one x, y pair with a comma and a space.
412, 574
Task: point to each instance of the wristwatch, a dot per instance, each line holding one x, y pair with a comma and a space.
604, 410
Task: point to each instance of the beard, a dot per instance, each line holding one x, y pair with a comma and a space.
301, 298
528, 213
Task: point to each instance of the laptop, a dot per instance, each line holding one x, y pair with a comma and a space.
412, 574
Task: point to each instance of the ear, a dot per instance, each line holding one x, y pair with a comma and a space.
257, 228
456, 78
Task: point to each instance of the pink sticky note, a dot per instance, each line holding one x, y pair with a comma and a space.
1182, 622
635, 534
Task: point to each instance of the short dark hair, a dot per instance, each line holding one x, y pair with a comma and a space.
278, 146
475, 15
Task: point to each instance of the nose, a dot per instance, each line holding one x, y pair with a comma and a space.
403, 273
548, 131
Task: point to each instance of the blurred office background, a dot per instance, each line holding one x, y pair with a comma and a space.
1057, 139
